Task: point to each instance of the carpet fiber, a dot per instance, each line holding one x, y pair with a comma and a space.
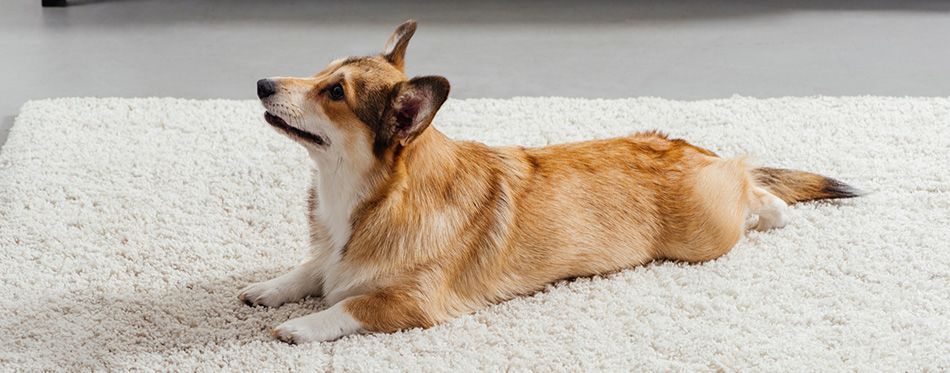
127, 227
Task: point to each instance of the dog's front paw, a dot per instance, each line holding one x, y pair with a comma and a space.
263, 293
293, 332
326, 325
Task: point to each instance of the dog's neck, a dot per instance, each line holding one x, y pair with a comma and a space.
425, 159
343, 185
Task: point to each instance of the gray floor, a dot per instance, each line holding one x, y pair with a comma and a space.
676, 49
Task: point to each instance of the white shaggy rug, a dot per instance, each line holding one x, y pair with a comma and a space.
127, 227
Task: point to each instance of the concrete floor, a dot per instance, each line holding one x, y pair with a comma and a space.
491, 48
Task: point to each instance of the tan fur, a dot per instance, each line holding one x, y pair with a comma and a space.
449, 227
529, 217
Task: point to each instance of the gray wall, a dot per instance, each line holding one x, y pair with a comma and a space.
676, 49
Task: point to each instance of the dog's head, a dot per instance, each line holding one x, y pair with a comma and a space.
357, 107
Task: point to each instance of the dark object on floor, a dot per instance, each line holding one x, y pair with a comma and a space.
52, 3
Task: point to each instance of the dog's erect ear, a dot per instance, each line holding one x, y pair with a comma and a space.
395, 50
414, 104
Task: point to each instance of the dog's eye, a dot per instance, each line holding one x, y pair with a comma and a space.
336, 92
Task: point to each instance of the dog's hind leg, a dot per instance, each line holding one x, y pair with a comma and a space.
770, 209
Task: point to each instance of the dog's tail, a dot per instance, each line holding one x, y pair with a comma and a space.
799, 186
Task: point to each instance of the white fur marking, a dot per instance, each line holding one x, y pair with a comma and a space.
326, 325
302, 281
771, 213
341, 186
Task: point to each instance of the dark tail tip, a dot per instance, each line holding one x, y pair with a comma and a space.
835, 189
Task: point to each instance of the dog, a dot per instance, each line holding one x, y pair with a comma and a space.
409, 228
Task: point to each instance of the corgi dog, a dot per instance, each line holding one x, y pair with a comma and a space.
409, 228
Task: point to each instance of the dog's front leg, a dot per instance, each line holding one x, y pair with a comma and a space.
386, 310
302, 281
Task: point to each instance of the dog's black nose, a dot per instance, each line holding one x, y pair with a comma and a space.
265, 88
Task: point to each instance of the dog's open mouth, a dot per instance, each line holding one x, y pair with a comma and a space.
293, 131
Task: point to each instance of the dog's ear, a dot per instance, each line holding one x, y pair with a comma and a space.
412, 106
395, 50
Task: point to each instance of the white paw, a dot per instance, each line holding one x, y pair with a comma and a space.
767, 223
773, 215
325, 325
267, 293
296, 331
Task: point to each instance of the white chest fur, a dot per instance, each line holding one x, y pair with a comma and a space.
340, 189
